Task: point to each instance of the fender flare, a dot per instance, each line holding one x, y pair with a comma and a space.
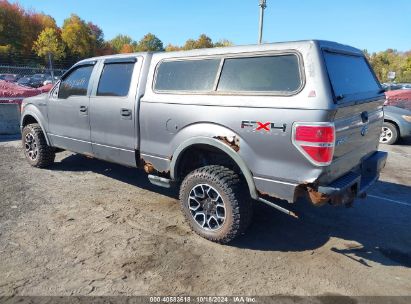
221, 146
36, 117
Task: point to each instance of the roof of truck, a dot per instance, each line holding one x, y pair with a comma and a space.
234, 49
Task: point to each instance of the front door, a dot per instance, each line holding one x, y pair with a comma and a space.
68, 111
113, 118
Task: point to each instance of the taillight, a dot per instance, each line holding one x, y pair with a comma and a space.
315, 141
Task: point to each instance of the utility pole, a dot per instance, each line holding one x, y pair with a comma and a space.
262, 4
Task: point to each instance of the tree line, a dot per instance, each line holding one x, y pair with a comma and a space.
28, 37
391, 61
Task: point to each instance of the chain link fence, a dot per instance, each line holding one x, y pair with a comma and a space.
28, 76
18, 82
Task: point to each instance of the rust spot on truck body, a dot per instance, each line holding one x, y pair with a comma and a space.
148, 167
317, 198
232, 141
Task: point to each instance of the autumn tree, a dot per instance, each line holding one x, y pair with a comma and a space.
119, 41
32, 25
11, 23
202, 42
105, 49
97, 37
391, 60
49, 42
149, 42
78, 37
189, 45
127, 48
171, 48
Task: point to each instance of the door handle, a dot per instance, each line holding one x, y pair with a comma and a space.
125, 112
83, 109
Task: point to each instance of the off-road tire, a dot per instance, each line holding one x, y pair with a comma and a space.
392, 133
45, 154
235, 195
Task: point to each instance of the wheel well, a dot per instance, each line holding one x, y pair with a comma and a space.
395, 124
28, 119
201, 155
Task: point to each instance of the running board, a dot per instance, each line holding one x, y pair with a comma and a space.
159, 181
286, 211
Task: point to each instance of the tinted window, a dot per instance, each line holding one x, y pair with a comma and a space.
264, 74
115, 79
76, 83
188, 75
349, 74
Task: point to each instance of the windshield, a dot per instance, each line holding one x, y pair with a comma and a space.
349, 74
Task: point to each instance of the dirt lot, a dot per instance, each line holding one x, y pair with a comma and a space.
86, 227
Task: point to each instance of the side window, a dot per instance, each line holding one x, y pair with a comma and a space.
279, 73
76, 83
115, 79
187, 75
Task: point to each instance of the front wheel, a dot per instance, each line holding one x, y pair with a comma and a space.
36, 150
389, 133
215, 203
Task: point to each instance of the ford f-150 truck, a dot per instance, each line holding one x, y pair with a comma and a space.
228, 126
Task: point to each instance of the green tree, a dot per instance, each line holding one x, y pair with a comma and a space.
78, 37
49, 41
223, 43
190, 45
390, 60
149, 42
204, 42
119, 41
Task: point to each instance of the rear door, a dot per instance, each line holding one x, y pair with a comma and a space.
113, 111
359, 115
68, 110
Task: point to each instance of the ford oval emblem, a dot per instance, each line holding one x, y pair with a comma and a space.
364, 130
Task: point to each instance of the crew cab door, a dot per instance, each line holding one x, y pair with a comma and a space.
113, 111
68, 110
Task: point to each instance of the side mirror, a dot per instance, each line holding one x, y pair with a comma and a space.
55, 91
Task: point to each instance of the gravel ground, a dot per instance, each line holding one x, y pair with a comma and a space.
86, 227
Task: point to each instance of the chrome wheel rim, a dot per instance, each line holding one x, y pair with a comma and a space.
386, 135
207, 207
30, 146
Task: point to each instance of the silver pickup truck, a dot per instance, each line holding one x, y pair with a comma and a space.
267, 123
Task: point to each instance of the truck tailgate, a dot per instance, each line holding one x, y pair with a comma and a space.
358, 130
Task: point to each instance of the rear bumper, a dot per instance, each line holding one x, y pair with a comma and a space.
354, 184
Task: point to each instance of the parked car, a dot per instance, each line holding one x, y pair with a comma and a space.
227, 125
24, 81
396, 86
9, 77
397, 124
37, 80
33, 81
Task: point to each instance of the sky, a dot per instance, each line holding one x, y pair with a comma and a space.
374, 25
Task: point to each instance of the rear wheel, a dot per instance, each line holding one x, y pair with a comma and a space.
389, 133
36, 150
216, 204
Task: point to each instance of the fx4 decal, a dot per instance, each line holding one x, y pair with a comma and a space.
262, 126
